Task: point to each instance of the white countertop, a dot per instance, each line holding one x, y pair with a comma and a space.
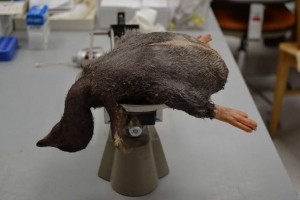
208, 159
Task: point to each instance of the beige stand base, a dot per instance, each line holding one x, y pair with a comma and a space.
135, 173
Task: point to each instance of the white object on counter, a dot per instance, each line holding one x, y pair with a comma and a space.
38, 28
7, 10
79, 11
191, 13
108, 9
54, 4
146, 18
12, 8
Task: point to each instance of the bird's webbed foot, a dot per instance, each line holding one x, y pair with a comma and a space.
235, 117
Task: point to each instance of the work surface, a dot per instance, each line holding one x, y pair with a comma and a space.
208, 159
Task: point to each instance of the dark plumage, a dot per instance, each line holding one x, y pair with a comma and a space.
156, 68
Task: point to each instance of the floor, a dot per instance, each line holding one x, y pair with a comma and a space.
260, 74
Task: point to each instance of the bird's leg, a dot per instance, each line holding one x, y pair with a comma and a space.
118, 118
235, 117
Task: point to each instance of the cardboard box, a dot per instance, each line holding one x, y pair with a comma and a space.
6, 25
7, 10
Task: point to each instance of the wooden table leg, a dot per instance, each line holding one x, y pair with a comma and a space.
280, 89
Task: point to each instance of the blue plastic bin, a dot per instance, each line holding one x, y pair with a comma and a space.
8, 47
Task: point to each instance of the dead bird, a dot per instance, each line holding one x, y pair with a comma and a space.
174, 69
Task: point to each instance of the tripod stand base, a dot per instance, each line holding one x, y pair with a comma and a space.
135, 173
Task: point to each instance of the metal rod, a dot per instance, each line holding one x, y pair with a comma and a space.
100, 33
90, 53
112, 39
91, 45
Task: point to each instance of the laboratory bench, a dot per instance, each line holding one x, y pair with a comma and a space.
208, 159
